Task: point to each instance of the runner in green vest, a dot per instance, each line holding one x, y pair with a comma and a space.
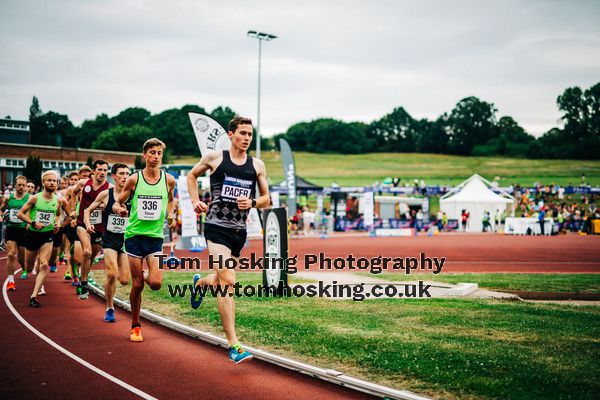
42, 214
151, 192
15, 230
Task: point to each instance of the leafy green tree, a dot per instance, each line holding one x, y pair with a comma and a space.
52, 129
33, 169
123, 138
471, 122
223, 115
433, 136
90, 129
132, 116
35, 110
396, 131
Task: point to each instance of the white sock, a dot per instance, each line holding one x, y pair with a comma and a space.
11, 278
109, 308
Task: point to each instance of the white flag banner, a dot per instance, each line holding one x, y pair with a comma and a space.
188, 216
210, 135
368, 208
275, 199
253, 226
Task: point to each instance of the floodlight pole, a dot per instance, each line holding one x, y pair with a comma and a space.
260, 36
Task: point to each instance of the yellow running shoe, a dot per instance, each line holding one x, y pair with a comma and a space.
136, 334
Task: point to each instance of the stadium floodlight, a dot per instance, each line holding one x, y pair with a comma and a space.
266, 37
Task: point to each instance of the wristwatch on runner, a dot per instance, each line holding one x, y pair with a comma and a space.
253, 203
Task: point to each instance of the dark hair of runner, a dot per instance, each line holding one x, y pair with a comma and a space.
153, 143
116, 166
236, 121
99, 162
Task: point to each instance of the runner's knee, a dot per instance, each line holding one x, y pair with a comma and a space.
155, 284
111, 276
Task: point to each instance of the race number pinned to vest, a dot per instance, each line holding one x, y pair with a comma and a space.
44, 218
233, 188
116, 223
96, 217
149, 208
12, 216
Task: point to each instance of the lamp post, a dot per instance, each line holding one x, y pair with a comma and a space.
266, 37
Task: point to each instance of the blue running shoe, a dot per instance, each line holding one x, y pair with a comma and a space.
196, 295
239, 355
110, 315
53, 268
24, 274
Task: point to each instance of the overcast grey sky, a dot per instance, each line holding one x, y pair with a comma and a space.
351, 60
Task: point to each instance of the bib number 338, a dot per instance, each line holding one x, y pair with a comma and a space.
149, 208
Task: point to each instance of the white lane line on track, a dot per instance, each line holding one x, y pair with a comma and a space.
66, 352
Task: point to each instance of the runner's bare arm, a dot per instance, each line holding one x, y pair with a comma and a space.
23, 213
170, 205
206, 163
72, 193
65, 207
130, 184
100, 203
59, 206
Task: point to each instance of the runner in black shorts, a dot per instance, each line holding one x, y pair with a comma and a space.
90, 243
41, 213
115, 258
233, 180
15, 230
74, 245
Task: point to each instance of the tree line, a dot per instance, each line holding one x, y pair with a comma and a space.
471, 128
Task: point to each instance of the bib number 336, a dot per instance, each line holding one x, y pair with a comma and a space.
149, 208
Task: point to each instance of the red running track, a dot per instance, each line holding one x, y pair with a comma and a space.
477, 253
170, 365
167, 365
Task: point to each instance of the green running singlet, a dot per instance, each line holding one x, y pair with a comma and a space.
148, 208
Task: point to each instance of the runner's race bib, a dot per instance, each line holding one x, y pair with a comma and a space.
149, 208
12, 216
233, 188
43, 218
116, 223
96, 217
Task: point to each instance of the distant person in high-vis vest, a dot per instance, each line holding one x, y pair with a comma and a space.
15, 229
151, 192
42, 214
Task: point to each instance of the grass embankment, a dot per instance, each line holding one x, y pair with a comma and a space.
589, 283
447, 348
365, 169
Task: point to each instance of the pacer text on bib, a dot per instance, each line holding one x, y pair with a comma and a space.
233, 188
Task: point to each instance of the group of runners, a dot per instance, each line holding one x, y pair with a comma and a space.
83, 213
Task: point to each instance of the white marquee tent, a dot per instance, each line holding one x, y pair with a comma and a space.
476, 196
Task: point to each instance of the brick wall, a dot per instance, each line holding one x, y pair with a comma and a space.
9, 150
